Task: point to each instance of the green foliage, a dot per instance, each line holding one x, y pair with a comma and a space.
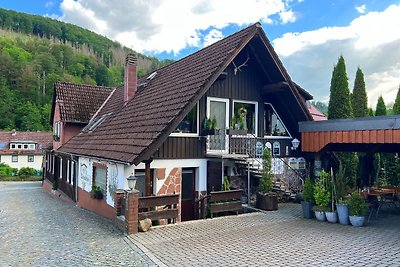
321, 106
359, 96
380, 107
308, 190
339, 101
27, 171
322, 193
396, 105
357, 205
265, 184
35, 52
340, 184
371, 112
96, 192
6, 170
227, 185
349, 162
213, 123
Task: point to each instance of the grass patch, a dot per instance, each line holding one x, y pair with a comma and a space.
20, 178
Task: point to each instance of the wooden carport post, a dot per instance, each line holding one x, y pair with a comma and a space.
148, 178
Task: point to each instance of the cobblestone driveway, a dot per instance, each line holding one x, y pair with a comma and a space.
36, 229
279, 238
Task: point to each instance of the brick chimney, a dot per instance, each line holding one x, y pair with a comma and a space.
130, 78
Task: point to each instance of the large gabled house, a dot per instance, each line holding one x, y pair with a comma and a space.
154, 128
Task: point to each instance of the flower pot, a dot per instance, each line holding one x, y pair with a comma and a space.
331, 216
357, 221
320, 215
237, 132
343, 213
267, 201
307, 209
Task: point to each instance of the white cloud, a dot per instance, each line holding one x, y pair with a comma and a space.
360, 9
169, 26
212, 37
49, 4
370, 41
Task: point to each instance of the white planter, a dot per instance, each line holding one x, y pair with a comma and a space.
320, 215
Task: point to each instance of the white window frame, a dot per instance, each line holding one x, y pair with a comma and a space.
295, 163
33, 158
72, 172
226, 101
190, 134
32, 146
256, 111
68, 179
276, 144
61, 168
284, 126
52, 164
14, 156
299, 161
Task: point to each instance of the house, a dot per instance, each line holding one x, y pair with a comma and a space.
23, 149
152, 129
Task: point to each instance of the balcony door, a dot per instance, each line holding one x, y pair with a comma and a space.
218, 109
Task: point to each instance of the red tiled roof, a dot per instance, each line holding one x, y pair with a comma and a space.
42, 139
78, 102
135, 132
316, 114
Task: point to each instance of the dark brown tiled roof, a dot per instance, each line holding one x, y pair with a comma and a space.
135, 132
42, 139
78, 102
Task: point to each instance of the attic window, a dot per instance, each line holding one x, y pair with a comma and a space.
189, 124
273, 125
93, 124
151, 76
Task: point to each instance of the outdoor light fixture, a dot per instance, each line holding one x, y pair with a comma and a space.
132, 181
295, 144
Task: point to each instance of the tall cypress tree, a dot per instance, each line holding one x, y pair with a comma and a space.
380, 107
396, 106
359, 96
339, 101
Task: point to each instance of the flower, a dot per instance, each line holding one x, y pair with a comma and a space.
242, 112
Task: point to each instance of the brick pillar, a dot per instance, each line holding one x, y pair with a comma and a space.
131, 212
119, 196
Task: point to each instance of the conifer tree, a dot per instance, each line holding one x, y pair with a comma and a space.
396, 106
339, 101
380, 107
371, 112
359, 96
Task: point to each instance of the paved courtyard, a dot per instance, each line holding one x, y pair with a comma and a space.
278, 238
37, 229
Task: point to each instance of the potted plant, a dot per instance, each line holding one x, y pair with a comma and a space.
266, 200
209, 126
308, 199
357, 209
322, 196
341, 205
96, 192
237, 126
331, 214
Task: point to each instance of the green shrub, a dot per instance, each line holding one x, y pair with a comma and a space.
5, 170
27, 171
357, 205
322, 191
265, 184
308, 190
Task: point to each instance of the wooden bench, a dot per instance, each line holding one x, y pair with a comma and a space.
222, 201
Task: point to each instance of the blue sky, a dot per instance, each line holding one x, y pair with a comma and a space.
308, 35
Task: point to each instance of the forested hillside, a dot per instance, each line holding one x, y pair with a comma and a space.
35, 52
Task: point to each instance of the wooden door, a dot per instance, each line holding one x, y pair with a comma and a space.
188, 192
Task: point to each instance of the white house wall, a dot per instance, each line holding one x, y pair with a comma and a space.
23, 161
115, 177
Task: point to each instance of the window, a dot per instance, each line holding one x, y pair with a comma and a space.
14, 158
293, 163
72, 172
276, 151
68, 178
140, 182
52, 164
32, 146
100, 177
61, 169
31, 158
189, 124
245, 116
13, 146
25, 146
19, 146
273, 125
56, 131
301, 163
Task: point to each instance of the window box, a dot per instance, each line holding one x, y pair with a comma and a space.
206, 132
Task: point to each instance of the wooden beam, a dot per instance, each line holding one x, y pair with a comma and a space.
148, 178
260, 62
275, 87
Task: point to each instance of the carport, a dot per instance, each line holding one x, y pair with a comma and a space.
369, 135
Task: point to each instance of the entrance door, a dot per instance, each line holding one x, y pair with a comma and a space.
218, 109
188, 192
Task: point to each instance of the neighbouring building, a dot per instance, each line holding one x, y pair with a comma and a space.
172, 130
24, 149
